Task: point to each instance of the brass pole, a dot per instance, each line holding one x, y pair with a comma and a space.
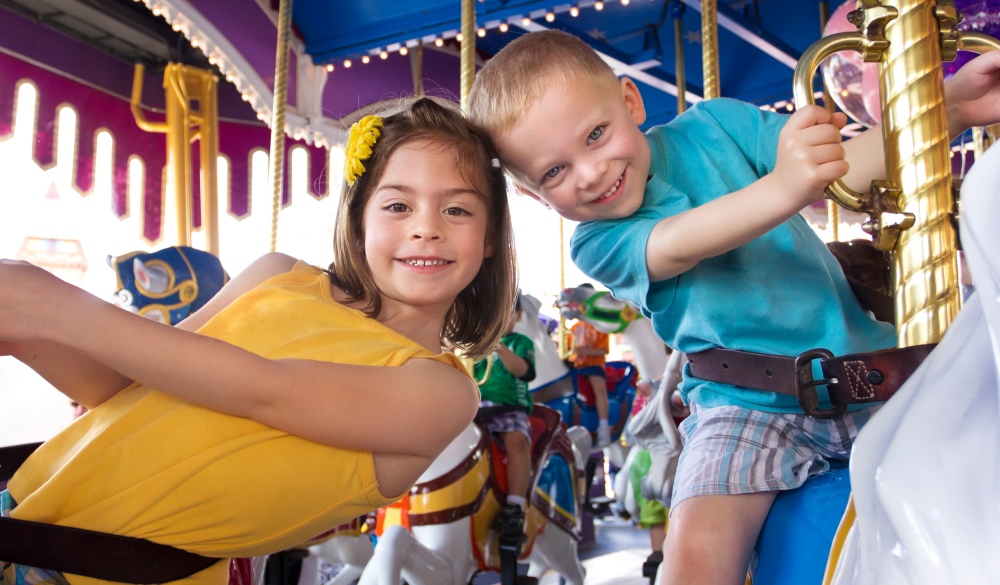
418, 69
983, 138
832, 209
679, 57
710, 48
278, 115
179, 151
924, 269
136, 103
561, 331
208, 133
468, 51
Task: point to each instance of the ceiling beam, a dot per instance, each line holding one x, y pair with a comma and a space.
769, 44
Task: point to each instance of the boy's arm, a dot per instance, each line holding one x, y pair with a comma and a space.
318, 401
972, 98
515, 364
810, 157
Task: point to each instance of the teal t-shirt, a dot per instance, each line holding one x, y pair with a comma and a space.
782, 293
502, 387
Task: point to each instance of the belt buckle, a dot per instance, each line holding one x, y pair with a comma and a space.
805, 385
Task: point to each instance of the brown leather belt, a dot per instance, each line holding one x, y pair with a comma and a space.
850, 379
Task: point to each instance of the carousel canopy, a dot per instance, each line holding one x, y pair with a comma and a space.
350, 54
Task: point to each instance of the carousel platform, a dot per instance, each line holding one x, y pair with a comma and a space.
614, 557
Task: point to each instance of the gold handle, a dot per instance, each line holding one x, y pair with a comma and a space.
977, 42
803, 95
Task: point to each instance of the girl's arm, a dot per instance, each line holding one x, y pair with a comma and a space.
90, 382
315, 400
73, 373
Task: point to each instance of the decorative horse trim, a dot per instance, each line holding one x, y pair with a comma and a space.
428, 499
562, 518
450, 514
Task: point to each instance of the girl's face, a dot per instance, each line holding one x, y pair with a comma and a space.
425, 228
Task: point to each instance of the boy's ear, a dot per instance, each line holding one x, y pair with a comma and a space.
633, 101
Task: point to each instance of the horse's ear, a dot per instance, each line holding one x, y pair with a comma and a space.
150, 279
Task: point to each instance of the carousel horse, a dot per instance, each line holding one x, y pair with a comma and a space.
167, 285
924, 472
347, 545
558, 386
608, 315
441, 533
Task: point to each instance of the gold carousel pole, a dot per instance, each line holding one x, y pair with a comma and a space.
208, 132
179, 149
924, 269
278, 115
832, 209
561, 331
982, 138
468, 51
678, 10
710, 48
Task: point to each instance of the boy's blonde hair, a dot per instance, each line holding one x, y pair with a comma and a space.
479, 316
516, 76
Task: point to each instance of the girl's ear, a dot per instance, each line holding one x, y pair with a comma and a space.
633, 101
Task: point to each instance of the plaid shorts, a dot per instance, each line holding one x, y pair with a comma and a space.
736, 450
508, 422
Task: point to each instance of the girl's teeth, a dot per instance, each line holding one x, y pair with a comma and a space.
425, 262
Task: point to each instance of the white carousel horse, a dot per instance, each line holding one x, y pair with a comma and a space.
348, 547
556, 385
925, 471
609, 315
441, 533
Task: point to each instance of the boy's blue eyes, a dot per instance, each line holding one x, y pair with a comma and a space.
594, 136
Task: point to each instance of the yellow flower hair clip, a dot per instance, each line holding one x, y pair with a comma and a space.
360, 140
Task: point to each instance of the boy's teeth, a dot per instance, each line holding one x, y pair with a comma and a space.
425, 262
612, 190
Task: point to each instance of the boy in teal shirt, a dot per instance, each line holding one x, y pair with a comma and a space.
697, 224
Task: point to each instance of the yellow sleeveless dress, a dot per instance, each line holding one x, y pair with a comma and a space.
148, 465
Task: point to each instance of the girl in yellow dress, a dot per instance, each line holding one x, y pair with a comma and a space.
237, 432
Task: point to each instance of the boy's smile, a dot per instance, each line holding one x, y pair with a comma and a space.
578, 149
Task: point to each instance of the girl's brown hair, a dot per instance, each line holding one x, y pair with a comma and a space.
480, 313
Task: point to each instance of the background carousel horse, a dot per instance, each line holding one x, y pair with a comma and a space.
167, 285
440, 533
555, 383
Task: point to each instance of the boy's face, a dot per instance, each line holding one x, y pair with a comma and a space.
578, 149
